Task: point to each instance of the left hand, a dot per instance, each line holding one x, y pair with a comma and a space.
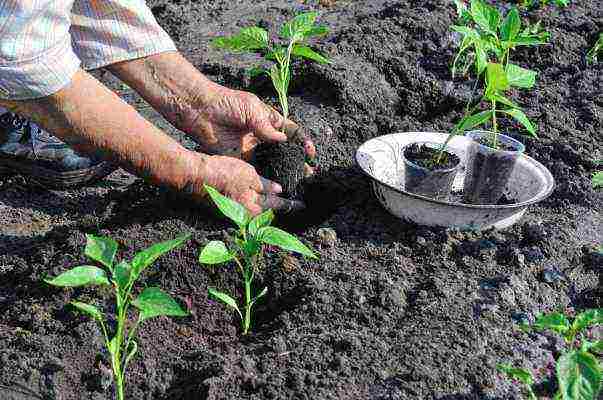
233, 122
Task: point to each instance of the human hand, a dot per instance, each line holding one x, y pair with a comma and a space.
238, 180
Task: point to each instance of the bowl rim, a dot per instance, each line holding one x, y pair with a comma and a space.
541, 195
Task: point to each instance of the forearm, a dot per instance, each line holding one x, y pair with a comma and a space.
172, 85
93, 119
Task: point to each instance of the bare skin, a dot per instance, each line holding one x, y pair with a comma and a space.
93, 119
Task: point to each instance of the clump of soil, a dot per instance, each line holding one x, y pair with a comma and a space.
282, 163
429, 157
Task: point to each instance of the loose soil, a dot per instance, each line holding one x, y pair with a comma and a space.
427, 157
391, 310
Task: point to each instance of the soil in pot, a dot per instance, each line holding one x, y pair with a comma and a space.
488, 169
428, 174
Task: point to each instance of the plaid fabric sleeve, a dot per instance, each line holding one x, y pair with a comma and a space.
109, 31
36, 56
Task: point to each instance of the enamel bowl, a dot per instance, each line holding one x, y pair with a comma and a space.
381, 160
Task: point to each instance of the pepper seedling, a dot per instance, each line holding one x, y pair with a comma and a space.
246, 250
543, 3
596, 51
294, 36
151, 302
579, 372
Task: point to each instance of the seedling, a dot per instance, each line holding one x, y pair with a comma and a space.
151, 302
246, 250
579, 372
596, 51
543, 3
294, 36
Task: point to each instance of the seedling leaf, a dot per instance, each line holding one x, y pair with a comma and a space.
587, 319
88, 309
101, 249
260, 221
471, 121
316, 31
230, 208
80, 276
496, 78
521, 374
484, 15
594, 347
511, 25
148, 256
556, 322
299, 27
307, 52
215, 252
598, 180
522, 118
502, 99
277, 237
153, 302
247, 39
226, 299
122, 274
579, 375
520, 77
132, 352
260, 295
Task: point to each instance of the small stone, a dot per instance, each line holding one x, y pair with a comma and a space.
534, 232
552, 275
327, 237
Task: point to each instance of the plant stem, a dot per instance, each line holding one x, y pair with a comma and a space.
494, 126
247, 321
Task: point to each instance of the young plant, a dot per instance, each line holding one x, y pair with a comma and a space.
121, 276
543, 3
596, 51
246, 251
579, 372
294, 36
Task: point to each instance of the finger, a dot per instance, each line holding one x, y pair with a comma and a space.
308, 170
251, 201
269, 186
268, 133
280, 205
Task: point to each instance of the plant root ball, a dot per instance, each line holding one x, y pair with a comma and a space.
284, 164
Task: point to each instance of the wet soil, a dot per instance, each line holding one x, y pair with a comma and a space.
391, 310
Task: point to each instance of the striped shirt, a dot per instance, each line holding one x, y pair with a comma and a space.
44, 42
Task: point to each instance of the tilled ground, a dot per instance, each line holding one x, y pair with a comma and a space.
391, 310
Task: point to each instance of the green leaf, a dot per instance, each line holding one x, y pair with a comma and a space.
556, 322
520, 77
481, 57
101, 249
307, 52
112, 345
594, 347
277, 237
485, 16
496, 78
521, 374
471, 121
502, 99
226, 299
247, 39
511, 25
148, 256
215, 252
579, 375
260, 221
522, 118
522, 40
122, 274
586, 319
299, 26
260, 295
316, 31
132, 352
153, 302
230, 208
255, 72
598, 180
88, 309
80, 276
466, 31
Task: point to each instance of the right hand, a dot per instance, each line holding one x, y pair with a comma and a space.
239, 180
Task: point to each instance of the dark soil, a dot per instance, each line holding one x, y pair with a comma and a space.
429, 157
391, 310
283, 163
485, 141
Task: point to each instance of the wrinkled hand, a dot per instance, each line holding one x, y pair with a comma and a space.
233, 122
239, 181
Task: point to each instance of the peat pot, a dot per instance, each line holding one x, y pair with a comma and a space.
381, 160
429, 181
488, 169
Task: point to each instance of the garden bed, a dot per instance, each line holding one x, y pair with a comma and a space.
391, 310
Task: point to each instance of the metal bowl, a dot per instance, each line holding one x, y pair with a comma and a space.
381, 160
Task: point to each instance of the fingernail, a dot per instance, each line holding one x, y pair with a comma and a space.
277, 188
309, 148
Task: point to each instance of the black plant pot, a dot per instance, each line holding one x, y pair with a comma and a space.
488, 169
422, 177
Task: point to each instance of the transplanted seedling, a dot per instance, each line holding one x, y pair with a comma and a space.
294, 36
596, 52
246, 251
579, 372
543, 3
151, 302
